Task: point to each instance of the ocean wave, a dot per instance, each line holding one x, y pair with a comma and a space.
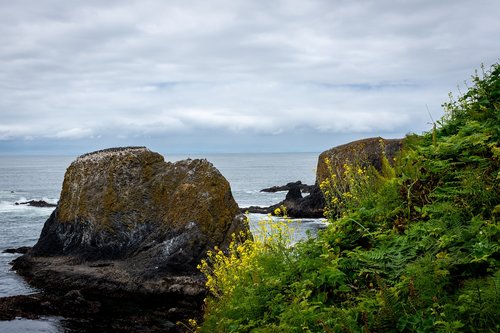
251, 191
10, 206
46, 199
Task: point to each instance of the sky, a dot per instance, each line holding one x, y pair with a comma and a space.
226, 76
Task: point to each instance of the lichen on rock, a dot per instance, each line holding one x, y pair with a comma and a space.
365, 152
150, 218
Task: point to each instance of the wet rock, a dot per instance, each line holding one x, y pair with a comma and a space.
35, 305
258, 209
304, 188
21, 250
90, 315
36, 203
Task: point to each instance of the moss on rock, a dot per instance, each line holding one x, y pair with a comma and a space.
124, 198
365, 152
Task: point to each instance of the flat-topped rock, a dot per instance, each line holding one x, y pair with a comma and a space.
150, 220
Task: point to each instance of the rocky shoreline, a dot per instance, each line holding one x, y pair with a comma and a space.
89, 302
86, 313
122, 245
129, 228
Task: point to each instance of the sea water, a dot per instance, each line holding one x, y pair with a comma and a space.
21, 179
24, 178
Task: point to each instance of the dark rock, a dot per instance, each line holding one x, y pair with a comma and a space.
130, 224
84, 314
294, 193
303, 187
21, 250
310, 206
36, 203
257, 210
35, 305
73, 294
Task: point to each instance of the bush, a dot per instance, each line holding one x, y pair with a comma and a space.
413, 248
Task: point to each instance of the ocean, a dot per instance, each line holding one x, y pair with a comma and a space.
24, 178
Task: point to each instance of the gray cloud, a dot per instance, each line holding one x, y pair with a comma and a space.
140, 69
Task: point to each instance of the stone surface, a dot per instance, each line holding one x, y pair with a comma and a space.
366, 152
130, 223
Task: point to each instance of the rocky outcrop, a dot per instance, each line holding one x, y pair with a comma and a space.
21, 250
129, 223
83, 313
36, 203
304, 188
366, 152
297, 206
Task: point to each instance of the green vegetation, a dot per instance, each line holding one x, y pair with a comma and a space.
412, 248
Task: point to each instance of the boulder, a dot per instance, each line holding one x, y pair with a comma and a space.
128, 222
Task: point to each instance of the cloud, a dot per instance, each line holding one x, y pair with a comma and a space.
133, 69
74, 133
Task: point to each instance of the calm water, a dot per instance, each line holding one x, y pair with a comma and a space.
34, 178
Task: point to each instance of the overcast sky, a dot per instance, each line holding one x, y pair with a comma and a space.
232, 76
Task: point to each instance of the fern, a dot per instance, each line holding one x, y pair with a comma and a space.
414, 248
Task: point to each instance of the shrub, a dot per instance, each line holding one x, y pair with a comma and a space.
413, 248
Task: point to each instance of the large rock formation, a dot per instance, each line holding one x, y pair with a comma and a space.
130, 223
